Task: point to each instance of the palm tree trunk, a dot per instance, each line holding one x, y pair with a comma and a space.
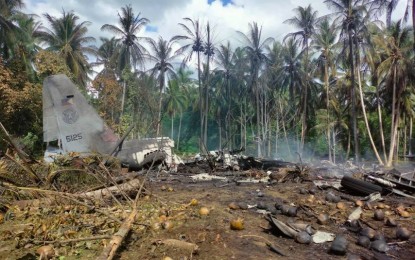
172, 126
413, 20
395, 119
382, 135
200, 103
326, 82
258, 116
180, 129
375, 150
160, 102
123, 98
206, 103
353, 96
220, 133
304, 114
410, 136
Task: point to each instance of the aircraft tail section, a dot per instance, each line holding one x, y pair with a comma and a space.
68, 116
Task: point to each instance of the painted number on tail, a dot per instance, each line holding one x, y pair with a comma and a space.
74, 137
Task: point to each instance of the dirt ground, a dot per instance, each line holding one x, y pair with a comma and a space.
168, 212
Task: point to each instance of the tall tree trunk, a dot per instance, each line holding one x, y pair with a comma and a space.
124, 87
220, 133
394, 124
326, 82
160, 103
304, 114
172, 126
410, 136
413, 20
206, 102
375, 150
180, 129
382, 135
353, 96
258, 115
201, 142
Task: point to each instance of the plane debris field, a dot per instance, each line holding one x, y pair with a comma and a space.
77, 127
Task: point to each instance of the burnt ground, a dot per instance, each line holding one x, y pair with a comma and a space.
166, 213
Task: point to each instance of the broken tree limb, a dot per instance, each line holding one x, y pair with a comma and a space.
113, 190
50, 201
25, 167
110, 250
74, 240
19, 151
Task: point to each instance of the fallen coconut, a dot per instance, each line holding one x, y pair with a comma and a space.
363, 241
284, 209
233, 206
341, 205
322, 218
292, 212
379, 245
243, 205
303, 237
404, 214
359, 203
194, 202
46, 252
391, 222
237, 224
303, 191
310, 199
403, 233
203, 211
339, 245
368, 232
261, 205
379, 215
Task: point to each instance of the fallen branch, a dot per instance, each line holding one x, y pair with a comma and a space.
113, 190
49, 201
268, 243
74, 240
109, 251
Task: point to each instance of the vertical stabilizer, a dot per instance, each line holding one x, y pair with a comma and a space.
68, 116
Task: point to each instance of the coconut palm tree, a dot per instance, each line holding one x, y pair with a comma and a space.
324, 43
107, 55
209, 51
176, 101
255, 49
349, 14
194, 38
304, 20
396, 70
162, 55
8, 29
131, 52
26, 45
225, 71
69, 38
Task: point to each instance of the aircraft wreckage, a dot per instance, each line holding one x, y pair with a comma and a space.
70, 121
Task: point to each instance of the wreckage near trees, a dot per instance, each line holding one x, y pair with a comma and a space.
70, 121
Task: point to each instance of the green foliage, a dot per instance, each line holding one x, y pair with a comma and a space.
30, 141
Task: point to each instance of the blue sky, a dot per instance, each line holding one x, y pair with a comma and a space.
224, 2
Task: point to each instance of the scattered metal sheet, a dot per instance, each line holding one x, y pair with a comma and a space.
207, 177
321, 237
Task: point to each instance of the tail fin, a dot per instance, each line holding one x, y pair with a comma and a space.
68, 117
